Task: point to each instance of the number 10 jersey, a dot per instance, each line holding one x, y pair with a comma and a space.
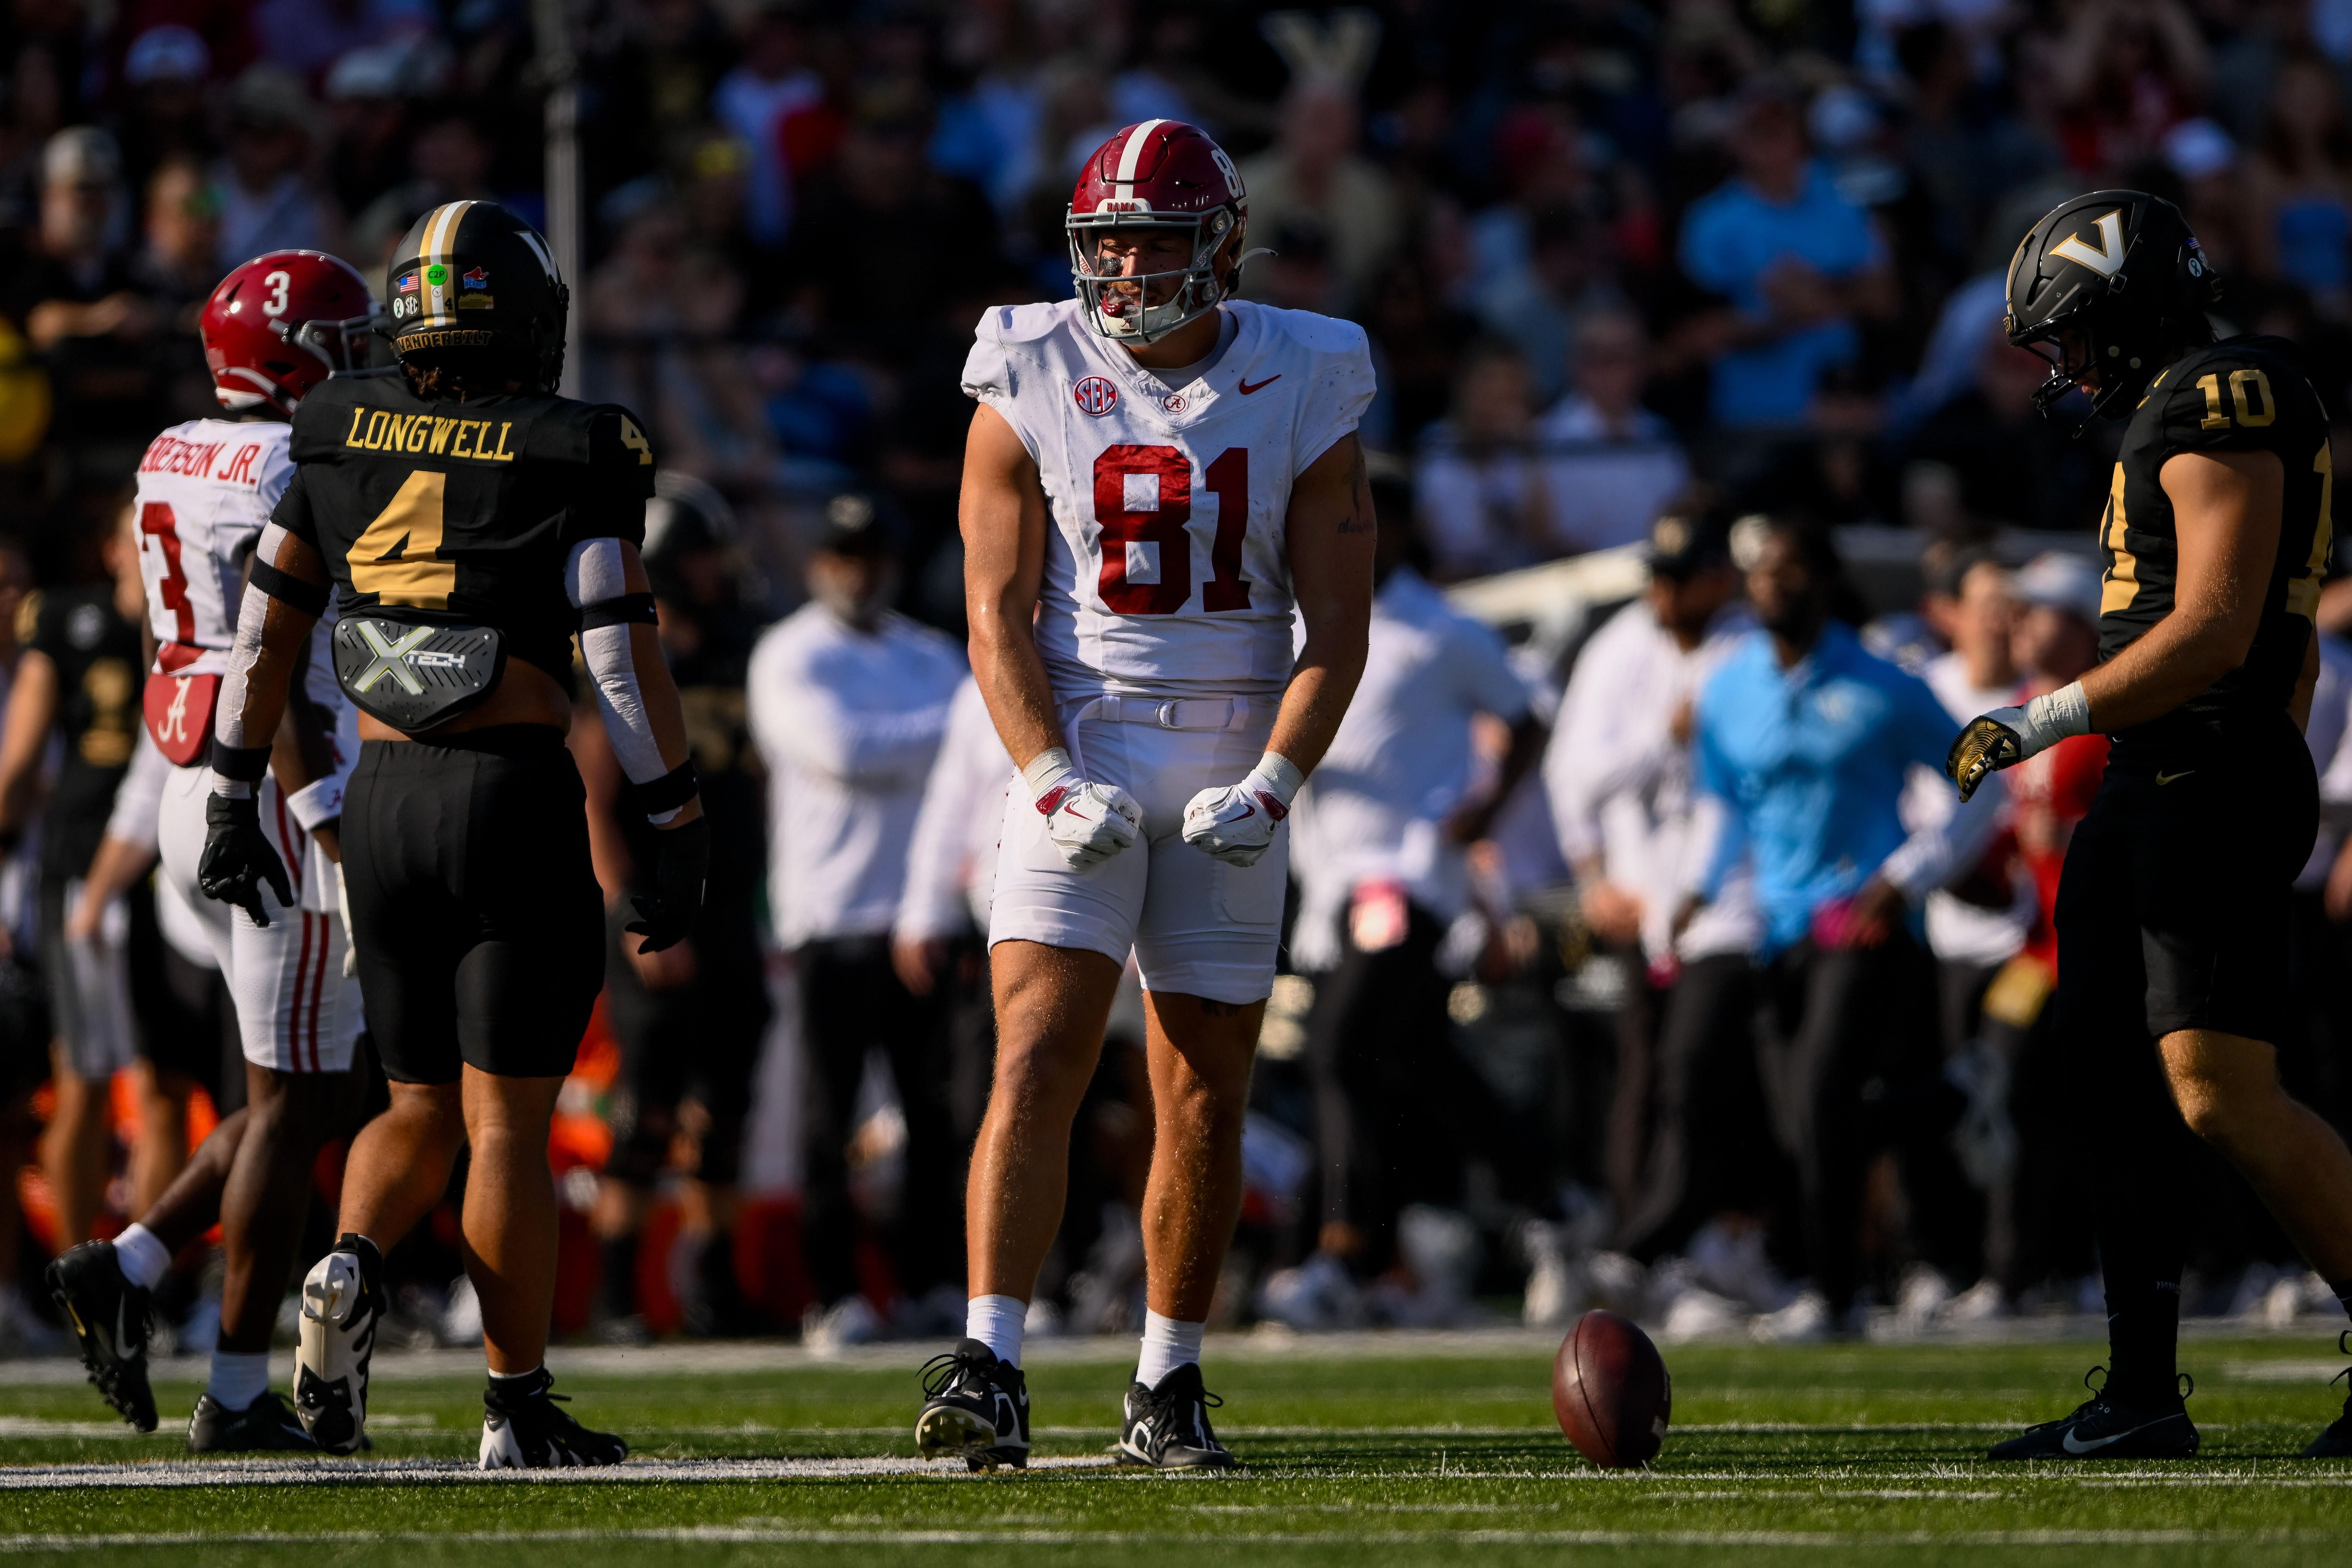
1166, 559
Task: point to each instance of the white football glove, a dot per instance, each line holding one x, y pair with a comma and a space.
1236, 823
1088, 822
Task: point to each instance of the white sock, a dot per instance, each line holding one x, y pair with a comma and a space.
1167, 1345
238, 1380
996, 1321
144, 1259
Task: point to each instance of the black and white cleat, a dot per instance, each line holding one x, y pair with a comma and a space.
523, 1429
2107, 1427
1167, 1427
975, 1407
343, 1304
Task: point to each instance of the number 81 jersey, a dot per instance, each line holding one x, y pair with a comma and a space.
1166, 560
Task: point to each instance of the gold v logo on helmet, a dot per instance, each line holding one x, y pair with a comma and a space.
2107, 260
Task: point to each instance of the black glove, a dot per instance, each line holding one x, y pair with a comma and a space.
238, 857
666, 918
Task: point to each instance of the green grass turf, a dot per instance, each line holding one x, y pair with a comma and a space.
1862, 1453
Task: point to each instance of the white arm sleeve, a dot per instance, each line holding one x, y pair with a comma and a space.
139, 798
592, 575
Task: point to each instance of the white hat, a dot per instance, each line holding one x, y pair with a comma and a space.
2062, 581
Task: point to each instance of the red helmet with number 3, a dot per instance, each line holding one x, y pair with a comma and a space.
282, 323
1159, 175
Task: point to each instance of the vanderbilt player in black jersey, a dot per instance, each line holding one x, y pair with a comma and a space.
2173, 908
469, 523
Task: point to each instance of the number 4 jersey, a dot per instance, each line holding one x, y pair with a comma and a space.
1166, 566
463, 513
206, 489
2247, 395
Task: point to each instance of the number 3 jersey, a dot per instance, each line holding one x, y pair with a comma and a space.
463, 513
206, 489
2247, 395
1165, 567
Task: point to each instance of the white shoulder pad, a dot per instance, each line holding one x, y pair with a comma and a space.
1020, 323
1317, 333
988, 370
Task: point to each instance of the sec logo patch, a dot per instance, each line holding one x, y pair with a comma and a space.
1096, 395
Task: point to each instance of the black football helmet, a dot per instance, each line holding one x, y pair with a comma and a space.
2121, 268
473, 275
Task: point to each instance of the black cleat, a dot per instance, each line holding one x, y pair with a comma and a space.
266, 1426
343, 1304
976, 1407
108, 1315
523, 1430
2336, 1443
1168, 1427
2104, 1427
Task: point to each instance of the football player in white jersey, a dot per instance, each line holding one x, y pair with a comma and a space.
1157, 476
275, 328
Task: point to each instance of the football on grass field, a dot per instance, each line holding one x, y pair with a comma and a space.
1611, 1391
1359, 1451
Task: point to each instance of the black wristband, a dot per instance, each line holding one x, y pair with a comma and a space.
670, 791
311, 598
618, 612
243, 765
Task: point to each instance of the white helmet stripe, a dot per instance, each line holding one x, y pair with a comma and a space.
440, 236
1131, 155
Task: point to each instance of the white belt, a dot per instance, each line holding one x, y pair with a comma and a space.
1206, 713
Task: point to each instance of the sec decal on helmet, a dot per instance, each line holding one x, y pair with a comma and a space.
1158, 175
2101, 287
472, 274
281, 324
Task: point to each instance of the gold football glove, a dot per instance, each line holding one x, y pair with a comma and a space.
1984, 748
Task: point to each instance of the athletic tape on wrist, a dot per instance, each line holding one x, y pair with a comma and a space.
2061, 714
1045, 770
311, 598
668, 794
618, 612
1280, 775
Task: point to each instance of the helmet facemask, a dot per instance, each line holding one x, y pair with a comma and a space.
1123, 306
338, 346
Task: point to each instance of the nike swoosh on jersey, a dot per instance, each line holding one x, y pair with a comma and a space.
2073, 1447
1246, 388
2163, 779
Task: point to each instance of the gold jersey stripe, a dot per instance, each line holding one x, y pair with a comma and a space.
2122, 583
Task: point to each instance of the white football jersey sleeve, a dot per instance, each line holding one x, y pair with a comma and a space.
1166, 564
206, 489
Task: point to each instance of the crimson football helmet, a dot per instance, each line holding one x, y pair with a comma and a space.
282, 323
1159, 175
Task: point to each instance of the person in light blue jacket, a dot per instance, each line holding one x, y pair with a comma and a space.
1804, 742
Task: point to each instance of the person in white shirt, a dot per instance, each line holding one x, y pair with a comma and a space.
1611, 466
847, 702
939, 941
1683, 1140
1976, 923
1379, 843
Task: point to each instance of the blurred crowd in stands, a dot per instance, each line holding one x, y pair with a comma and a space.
1633, 270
